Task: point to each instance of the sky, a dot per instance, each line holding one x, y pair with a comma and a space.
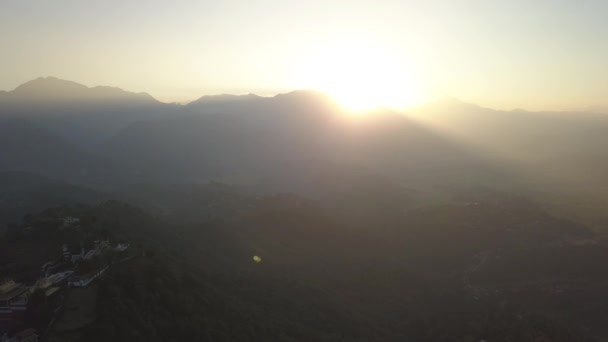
504, 54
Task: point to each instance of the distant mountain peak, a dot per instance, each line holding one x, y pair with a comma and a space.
296, 97
304, 94
225, 98
48, 85
118, 92
307, 97
53, 89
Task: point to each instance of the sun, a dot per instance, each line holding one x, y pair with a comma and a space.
360, 76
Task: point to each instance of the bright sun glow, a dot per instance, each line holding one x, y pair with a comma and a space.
361, 75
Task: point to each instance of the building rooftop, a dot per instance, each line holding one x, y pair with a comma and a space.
12, 294
7, 285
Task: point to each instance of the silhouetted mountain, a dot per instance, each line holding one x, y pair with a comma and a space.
223, 98
297, 107
80, 114
283, 140
293, 141
226, 139
556, 157
49, 90
519, 135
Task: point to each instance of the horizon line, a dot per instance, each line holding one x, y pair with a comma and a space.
435, 100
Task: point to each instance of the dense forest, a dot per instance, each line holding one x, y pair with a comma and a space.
497, 270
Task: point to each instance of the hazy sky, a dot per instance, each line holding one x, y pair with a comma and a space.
549, 54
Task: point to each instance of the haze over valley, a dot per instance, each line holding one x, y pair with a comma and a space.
282, 171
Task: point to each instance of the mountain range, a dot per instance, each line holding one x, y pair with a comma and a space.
304, 142
447, 222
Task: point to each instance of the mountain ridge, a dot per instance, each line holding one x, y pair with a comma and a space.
276, 139
52, 88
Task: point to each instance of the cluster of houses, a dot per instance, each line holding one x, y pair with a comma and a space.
13, 303
99, 249
55, 275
